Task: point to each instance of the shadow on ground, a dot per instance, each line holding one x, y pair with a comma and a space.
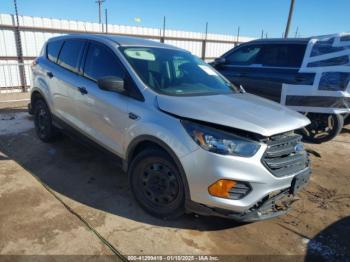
12, 110
91, 177
331, 244
346, 130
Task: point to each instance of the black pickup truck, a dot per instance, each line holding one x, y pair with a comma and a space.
306, 74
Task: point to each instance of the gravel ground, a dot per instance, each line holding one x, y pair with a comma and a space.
65, 198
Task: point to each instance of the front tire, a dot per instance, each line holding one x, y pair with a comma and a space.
323, 127
157, 185
43, 122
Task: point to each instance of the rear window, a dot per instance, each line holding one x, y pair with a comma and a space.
53, 49
70, 54
281, 55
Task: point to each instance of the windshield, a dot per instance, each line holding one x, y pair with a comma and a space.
175, 72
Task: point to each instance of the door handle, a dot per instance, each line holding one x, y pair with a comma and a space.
133, 116
49, 74
82, 90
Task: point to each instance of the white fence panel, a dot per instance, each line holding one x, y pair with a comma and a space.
8, 48
217, 49
194, 47
35, 35
5, 19
10, 74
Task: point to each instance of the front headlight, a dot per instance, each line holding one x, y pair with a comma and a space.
220, 142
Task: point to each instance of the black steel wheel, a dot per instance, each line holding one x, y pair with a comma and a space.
156, 184
43, 122
323, 127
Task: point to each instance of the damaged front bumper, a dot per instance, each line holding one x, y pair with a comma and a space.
273, 205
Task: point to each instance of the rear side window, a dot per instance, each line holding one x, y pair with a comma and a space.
243, 56
281, 55
101, 62
53, 49
70, 54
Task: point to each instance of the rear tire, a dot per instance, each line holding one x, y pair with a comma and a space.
43, 122
157, 185
323, 127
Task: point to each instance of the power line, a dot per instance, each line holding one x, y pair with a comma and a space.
297, 31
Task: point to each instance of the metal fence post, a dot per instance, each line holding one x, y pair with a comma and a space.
106, 17
204, 43
162, 38
19, 49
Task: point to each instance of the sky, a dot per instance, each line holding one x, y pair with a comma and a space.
311, 17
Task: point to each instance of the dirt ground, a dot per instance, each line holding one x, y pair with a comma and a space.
65, 198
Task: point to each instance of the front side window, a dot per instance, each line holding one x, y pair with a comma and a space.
175, 72
70, 54
245, 55
101, 62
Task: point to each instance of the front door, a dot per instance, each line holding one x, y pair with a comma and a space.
238, 66
103, 114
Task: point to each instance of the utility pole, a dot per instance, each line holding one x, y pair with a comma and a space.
290, 15
100, 2
262, 33
19, 50
238, 35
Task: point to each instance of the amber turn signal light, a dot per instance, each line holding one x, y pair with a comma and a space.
221, 188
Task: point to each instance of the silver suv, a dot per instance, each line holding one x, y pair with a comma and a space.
188, 139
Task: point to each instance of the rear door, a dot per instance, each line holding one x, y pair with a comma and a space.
262, 68
277, 64
67, 78
49, 68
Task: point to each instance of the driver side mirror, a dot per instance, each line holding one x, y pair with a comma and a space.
111, 83
219, 61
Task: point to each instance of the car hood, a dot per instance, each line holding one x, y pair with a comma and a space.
242, 111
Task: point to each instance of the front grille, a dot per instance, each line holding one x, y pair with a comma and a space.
285, 155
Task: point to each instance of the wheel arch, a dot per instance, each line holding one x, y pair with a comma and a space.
147, 141
35, 95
